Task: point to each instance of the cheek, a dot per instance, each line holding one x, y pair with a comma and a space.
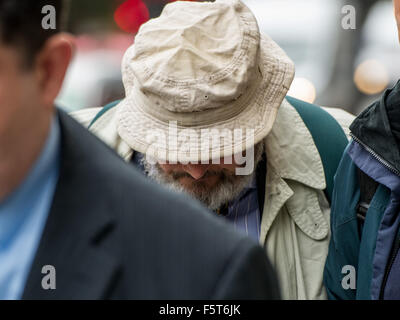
8, 89
230, 167
167, 168
10, 97
17, 97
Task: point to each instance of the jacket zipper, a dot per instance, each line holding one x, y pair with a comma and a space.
389, 267
396, 249
376, 156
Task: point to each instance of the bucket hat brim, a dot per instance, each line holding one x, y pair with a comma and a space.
147, 134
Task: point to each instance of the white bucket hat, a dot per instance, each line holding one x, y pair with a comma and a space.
199, 66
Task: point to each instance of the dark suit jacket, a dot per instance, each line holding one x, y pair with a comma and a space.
113, 234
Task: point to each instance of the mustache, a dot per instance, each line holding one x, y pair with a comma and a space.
223, 174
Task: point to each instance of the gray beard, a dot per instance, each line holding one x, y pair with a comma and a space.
226, 190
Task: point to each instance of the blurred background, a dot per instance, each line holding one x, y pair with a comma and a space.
334, 67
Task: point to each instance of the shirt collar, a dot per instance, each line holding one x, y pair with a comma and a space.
251, 187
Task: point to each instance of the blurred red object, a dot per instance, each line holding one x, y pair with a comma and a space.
130, 15
162, 1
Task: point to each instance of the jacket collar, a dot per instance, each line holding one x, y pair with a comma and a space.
291, 156
377, 128
291, 150
76, 227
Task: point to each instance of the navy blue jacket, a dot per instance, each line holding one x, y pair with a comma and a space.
373, 250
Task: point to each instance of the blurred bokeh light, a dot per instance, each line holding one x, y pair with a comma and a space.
303, 89
371, 77
130, 15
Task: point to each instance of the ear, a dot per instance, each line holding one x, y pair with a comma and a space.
396, 4
51, 66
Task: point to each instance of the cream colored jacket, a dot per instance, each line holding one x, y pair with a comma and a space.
295, 227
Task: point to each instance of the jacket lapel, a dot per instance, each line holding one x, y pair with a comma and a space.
291, 156
76, 229
277, 193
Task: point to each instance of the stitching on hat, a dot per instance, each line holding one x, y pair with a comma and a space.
246, 18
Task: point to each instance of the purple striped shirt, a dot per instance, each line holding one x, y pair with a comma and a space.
244, 211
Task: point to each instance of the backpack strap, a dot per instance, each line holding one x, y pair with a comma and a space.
328, 137
103, 111
368, 187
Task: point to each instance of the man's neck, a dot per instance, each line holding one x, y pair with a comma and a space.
18, 153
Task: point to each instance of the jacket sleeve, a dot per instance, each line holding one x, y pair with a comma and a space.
248, 276
344, 243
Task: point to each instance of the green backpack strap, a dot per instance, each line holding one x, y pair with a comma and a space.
328, 136
103, 111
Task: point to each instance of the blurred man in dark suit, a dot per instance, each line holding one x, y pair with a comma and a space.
76, 222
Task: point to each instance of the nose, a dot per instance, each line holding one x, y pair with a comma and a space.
197, 171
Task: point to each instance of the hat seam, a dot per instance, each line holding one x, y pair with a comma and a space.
246, 18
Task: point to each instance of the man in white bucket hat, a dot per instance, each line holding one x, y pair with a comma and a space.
205, 113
